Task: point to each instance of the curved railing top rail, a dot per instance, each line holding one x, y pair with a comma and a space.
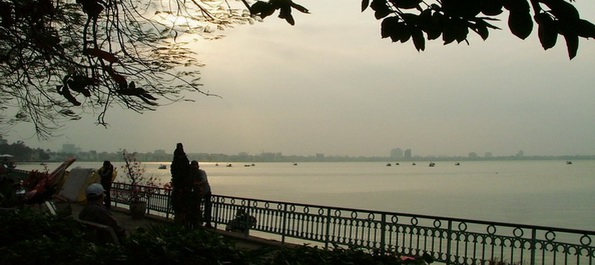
567, 230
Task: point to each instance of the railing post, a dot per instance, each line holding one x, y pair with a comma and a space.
382, 234
147, 209
215, 210
327, 235
284, 216
533, 245
448, 241
167, 203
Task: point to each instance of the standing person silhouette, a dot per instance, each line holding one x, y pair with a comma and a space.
106, 173
205, 190
181, 189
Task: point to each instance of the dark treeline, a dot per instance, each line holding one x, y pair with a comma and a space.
21, 152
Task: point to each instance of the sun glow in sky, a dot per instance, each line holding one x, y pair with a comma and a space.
331, 85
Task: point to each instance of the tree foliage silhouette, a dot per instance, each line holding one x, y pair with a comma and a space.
59, 58
453, 20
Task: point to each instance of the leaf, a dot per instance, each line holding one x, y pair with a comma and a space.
406, 4
571, 44
365, 4
569, 31
562, 9
388, 26
435, 28
481, 29
258, 7
381, 9
520, 24
262, 9
148, 101
404, 32
119, 79
285, 13
491, 7
547, 30
449, 33
461, 8
395, 29
585, 29
429, 24
521, 6
101, 54
418, 39
269, 10
66, 93
454, 29
300, 8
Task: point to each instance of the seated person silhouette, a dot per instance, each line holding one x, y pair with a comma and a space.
96, 212
241, 223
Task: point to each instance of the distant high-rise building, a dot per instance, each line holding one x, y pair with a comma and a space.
408, 153
396, 153
159, 152
70, 149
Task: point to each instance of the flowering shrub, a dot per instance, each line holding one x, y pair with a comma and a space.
140, 185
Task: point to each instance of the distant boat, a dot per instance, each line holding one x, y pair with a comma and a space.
396, 164
432, 164
388, 165
457, 164
162, 166
413, 164
295, 164
228, 165
568, 163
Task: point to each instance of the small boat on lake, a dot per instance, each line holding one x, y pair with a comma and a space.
432, 164
162, 166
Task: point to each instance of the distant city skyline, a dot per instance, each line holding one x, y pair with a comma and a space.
396, 152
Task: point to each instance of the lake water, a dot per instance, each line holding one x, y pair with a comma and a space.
548, 193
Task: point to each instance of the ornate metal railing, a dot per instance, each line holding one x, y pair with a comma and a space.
158, 199
449, 240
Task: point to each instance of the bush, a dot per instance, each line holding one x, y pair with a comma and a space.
31, 237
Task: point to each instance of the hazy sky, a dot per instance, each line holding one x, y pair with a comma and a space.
331, 85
